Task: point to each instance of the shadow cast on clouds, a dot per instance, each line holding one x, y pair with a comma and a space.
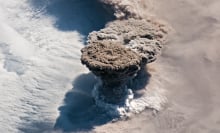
79, 112
140, 82
83, 16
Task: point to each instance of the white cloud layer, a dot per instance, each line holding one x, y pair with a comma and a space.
37, 64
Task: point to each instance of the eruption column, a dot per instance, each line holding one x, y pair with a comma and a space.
115, 65
119, 52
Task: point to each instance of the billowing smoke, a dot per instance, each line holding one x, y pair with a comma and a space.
118, 55
124, 8
142, 36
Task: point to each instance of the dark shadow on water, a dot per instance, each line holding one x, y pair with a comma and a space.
79, 112
83, 16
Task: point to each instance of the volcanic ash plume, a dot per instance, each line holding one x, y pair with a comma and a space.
143, 36
118, 55
124, 8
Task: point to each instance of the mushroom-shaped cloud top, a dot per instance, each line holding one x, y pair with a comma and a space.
110, 60
115, 65
144, 37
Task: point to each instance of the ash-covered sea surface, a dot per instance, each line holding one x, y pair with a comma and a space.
45, 88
